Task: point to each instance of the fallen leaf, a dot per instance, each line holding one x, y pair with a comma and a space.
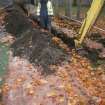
52, 94
42, 81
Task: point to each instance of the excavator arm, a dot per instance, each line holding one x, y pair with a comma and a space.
90, 19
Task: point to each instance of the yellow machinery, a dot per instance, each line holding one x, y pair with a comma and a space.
90, 19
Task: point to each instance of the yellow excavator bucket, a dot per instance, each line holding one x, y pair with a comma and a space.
90, 19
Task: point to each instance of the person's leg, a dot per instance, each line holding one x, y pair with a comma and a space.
46, 22
42, 22
49, 23
33, 2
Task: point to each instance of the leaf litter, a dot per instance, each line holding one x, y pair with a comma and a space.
72, 83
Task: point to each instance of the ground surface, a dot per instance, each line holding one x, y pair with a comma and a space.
73, 82
31, 43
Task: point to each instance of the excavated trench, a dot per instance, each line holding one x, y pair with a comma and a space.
93, 45
30, 38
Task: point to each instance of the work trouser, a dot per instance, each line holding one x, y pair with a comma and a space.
45, 22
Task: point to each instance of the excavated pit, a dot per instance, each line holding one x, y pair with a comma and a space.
33, 44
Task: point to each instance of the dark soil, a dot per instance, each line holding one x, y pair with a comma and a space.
16, 21
39, 49
33, 44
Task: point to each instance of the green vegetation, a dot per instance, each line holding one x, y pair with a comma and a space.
3, 60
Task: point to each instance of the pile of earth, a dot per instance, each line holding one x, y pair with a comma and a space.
16, 21
31, 42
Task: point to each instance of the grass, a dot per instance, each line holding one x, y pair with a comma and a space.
3, 60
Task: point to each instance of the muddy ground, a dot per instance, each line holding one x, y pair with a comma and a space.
31, 43
73, 81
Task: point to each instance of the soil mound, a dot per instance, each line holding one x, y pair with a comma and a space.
16, 21
39, 49
33, 44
